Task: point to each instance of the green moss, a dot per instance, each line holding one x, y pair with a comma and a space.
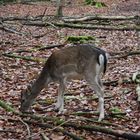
115, 110
80, 39
95, 3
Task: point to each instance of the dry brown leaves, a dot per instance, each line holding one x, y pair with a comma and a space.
15, 74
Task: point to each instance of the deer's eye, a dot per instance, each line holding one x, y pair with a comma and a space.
22, 100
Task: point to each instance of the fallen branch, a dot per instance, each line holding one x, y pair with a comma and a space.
73, 136
43, 22
44, 125
72, 19
130, 54
81, 113
50, 47
106, 123
10, 30
27, 126
123, 54
43, 136
28, 58
38, 49
116, 82
79, 26
7, 107
7, 131
98, 17
117, 133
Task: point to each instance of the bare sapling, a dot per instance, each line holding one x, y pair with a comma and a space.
75, 62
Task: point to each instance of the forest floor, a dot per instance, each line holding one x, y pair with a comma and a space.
15, 74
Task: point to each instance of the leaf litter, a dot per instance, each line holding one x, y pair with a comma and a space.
15, 74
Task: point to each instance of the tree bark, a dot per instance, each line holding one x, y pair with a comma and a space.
80, 26
97, 17
60, 4
117, 133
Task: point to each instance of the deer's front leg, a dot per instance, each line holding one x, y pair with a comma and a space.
60, 99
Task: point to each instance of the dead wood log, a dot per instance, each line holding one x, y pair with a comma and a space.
71, 135
116, 82
13, 18
130, 54
118, 55
44, 137
47, 47
71, 19
28, 58
51, 46
7, 107
117, 133
51, 127
81, 113
33, 21
79, 26
7, 131
98, 17
10, 30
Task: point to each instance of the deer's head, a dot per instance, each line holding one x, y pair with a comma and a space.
25, 99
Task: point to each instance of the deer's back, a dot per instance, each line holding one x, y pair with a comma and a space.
73, 60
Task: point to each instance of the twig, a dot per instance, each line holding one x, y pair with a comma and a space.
47, 47
28, 129
39, 36
51, 46
117, 133
73, 136
7, 130
106, 123
57, 128
41, 16
123, 54
61, 124
116, 82
7, 29
81, 113
130, 54
44, 137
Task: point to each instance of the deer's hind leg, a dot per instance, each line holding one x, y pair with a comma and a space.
95, 82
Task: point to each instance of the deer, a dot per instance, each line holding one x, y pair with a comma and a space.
83, 61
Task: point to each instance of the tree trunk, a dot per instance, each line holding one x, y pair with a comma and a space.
60, 4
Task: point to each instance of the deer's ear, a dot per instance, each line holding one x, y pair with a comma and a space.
23, 97
29, 87
28, 90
